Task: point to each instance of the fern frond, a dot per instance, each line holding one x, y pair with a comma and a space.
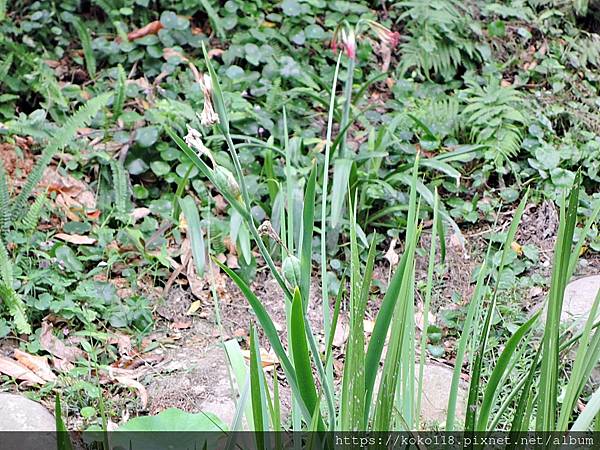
121, 190
5, 210
439, 39
31, 219
494, 118
86, 45
16, 308
62, 137
119, 99
6, 266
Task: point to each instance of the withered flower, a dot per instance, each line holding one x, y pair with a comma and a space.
208, 116
193, 139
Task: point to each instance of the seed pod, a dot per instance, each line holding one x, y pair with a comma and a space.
226, 181
291, 270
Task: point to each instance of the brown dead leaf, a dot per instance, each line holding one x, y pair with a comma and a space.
172, 53
151, 28
56, 347
17, 370
123, 343
76, 239
195, 306
197, 283
215, 52
267, 358
37, 364
368, 326
131, 383
73, 196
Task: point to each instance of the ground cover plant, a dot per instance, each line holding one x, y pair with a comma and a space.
341, 193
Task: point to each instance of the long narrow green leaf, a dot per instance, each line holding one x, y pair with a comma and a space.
190, 212
241, 374
591, 411
474, 306
271, 332
548, 387
426, 306
63, 441
324, 193
341, 175
471, 415
214, 18
257, 390
301, 355
492, 391
86, 45
308, 217
390, 299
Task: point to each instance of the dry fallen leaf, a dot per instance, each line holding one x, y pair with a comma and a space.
268, 359
17, 370
517, 248
37, 364
151, 28
56, 347
76, 239
123, 343
197, 283
195, 306
129, 382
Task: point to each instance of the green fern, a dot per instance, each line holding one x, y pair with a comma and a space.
5, 210
32, 218
440, 115
439, 39
119, 99
62, 137
16, 308
86, 45
6, 266
493, 117
122, 194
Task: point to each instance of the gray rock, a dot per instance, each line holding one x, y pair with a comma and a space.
18, 413
579, 298
21, 414
436, 391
